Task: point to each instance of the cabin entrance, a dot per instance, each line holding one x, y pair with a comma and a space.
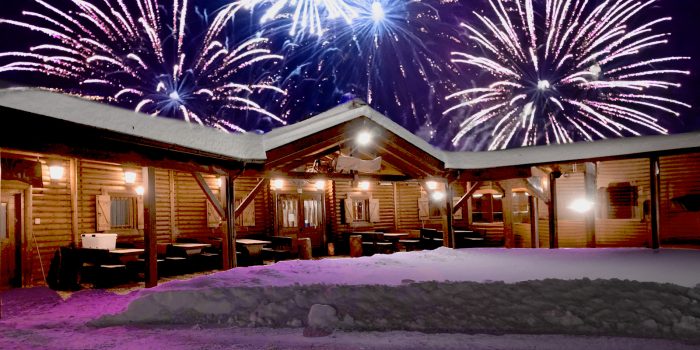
10, 239
301, 215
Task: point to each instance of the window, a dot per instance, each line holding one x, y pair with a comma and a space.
289, 211
434, 208
487, 208
360, 210
521, 210
622, 201
122, 212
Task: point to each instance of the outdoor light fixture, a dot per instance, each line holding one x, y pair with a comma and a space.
431, 185
497, 195
277, 184
320, 185
56, 172
129, 177
581, 205
438, 196
140, 190
364, 138
363, 185
477, 195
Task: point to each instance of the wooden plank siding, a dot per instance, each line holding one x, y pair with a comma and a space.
680, 176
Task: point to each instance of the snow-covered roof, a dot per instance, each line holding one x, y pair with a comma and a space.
252, 147
629, 146
105, 117
339, 115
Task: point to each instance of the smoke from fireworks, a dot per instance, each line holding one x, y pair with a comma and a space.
565, 70
127, 53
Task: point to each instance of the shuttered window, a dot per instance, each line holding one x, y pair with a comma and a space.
622, 201
122, 212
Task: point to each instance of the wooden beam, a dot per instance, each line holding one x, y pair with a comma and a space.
507, 203
336, 177
229, 241
590, 185
655, 186
466, 196
405, 165
447, 224
149, 232
307, 146
536, 191
211, 197
173, 204
249, 198
304, 160
534, 222
553, 234
74, 192
396, 206
495, 174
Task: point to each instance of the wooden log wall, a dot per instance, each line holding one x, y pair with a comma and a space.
263, 206
680, 176
385, 195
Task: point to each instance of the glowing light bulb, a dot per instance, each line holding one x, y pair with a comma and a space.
581, 205
438, 196
320, 185
277, 184
56, 172
364, 185
140, 190
364, 138
129, 177
431, 185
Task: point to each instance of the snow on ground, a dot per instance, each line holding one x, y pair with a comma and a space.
485, 299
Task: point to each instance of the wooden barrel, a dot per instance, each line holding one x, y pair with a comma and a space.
304, 248
356, 246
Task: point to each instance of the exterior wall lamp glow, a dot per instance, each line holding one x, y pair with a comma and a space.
364, 138
581, 205
320, 185
129, 177
56, 172
363, 185
140, 190
277, 184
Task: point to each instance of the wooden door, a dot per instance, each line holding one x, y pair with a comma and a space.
312, 218
301, 216
10, 240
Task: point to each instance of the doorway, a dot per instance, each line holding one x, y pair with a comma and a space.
302, 215
10, 239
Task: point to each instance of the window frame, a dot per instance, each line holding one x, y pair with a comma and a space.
489, 215
132, 211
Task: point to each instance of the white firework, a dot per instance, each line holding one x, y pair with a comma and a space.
560, 71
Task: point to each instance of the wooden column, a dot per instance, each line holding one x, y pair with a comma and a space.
396, 207
173, 205
73, 187
507, 202
590, 185
149, 231
534, 222
553, 234
655, 187
447, 224
229, 241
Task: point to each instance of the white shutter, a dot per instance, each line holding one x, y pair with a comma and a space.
103, 211
139, 214
349, 211
374, 210
213, 218
249, 214
457, 215
423, 209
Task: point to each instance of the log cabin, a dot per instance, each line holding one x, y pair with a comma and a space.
71, 166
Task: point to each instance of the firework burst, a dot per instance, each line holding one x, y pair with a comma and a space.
307, 16
560, 71
130, 54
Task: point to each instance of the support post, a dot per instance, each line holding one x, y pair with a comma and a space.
229, 241
534, 223
553, 234
655, 186
73, 184
590, 178
447, 224
508, 233
149, 230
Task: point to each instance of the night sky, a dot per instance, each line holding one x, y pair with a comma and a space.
405, 76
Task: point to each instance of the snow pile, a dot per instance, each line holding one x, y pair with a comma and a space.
410, 291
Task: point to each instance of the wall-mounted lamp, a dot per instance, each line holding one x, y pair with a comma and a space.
56, 171
477, 195
363, 185
320, 185
129, 177
438, 196
497, 195
431, 185
277, 184
140, 190
581, 205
